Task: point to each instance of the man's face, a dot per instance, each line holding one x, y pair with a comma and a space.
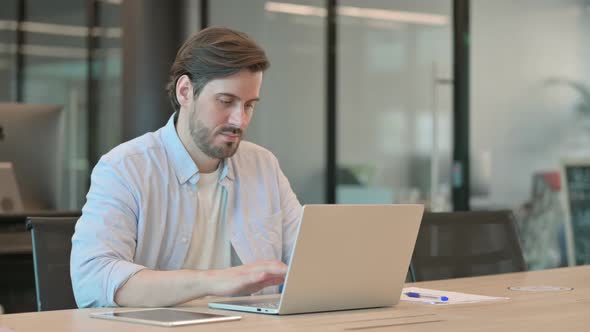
222, 111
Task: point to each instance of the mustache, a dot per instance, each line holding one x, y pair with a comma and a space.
231, 130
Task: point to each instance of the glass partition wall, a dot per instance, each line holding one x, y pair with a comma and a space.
45, 59
393, 95
290, 118
8, 58
394, 102
55, 70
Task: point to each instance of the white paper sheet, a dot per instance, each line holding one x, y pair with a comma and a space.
454, 297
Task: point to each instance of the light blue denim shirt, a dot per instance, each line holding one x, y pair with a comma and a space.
141, 210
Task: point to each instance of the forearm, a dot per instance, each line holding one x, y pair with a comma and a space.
149, 288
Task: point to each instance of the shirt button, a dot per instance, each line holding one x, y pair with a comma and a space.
184, 240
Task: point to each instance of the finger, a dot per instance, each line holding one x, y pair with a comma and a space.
273, 267
273, 282
268, 283
262, 276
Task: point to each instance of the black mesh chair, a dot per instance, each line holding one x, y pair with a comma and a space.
465, 244
17, 276
52, 244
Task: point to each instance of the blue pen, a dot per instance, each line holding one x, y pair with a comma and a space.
426, 296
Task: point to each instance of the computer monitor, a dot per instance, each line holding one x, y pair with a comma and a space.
31, 138
10, 200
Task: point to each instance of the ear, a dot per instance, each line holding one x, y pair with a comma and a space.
184, 90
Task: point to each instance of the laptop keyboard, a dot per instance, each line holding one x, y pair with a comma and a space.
266, 305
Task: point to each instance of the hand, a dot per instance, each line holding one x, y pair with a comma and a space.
247, 279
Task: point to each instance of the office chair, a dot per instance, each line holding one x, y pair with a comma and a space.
52, 244
465, 244
17, 276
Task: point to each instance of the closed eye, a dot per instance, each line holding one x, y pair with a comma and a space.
226, 101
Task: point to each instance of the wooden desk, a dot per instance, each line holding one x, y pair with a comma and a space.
525, 311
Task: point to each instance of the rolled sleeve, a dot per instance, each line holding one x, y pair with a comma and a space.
104, 242
119, 274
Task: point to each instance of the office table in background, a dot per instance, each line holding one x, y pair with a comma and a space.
524, 311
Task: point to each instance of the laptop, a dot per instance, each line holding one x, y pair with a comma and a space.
345, 257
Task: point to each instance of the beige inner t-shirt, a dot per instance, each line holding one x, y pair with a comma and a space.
210, 246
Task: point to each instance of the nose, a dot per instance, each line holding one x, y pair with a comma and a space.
238, 117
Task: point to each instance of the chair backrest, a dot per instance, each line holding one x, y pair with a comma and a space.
52, 244
465, 244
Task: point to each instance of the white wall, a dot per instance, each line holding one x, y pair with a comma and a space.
521, 123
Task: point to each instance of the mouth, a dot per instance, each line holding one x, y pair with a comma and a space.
230, 137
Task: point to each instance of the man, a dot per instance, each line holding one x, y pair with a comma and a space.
189, 210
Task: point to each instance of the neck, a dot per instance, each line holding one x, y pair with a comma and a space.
205, 164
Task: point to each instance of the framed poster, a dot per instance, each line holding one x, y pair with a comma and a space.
576, 189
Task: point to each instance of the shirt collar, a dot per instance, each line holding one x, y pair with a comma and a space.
184, 166
228, 171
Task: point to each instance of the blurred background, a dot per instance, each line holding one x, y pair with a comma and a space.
456, 104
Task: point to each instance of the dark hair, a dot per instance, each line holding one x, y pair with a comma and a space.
211, 53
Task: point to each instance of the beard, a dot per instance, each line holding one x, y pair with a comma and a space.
203, 138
